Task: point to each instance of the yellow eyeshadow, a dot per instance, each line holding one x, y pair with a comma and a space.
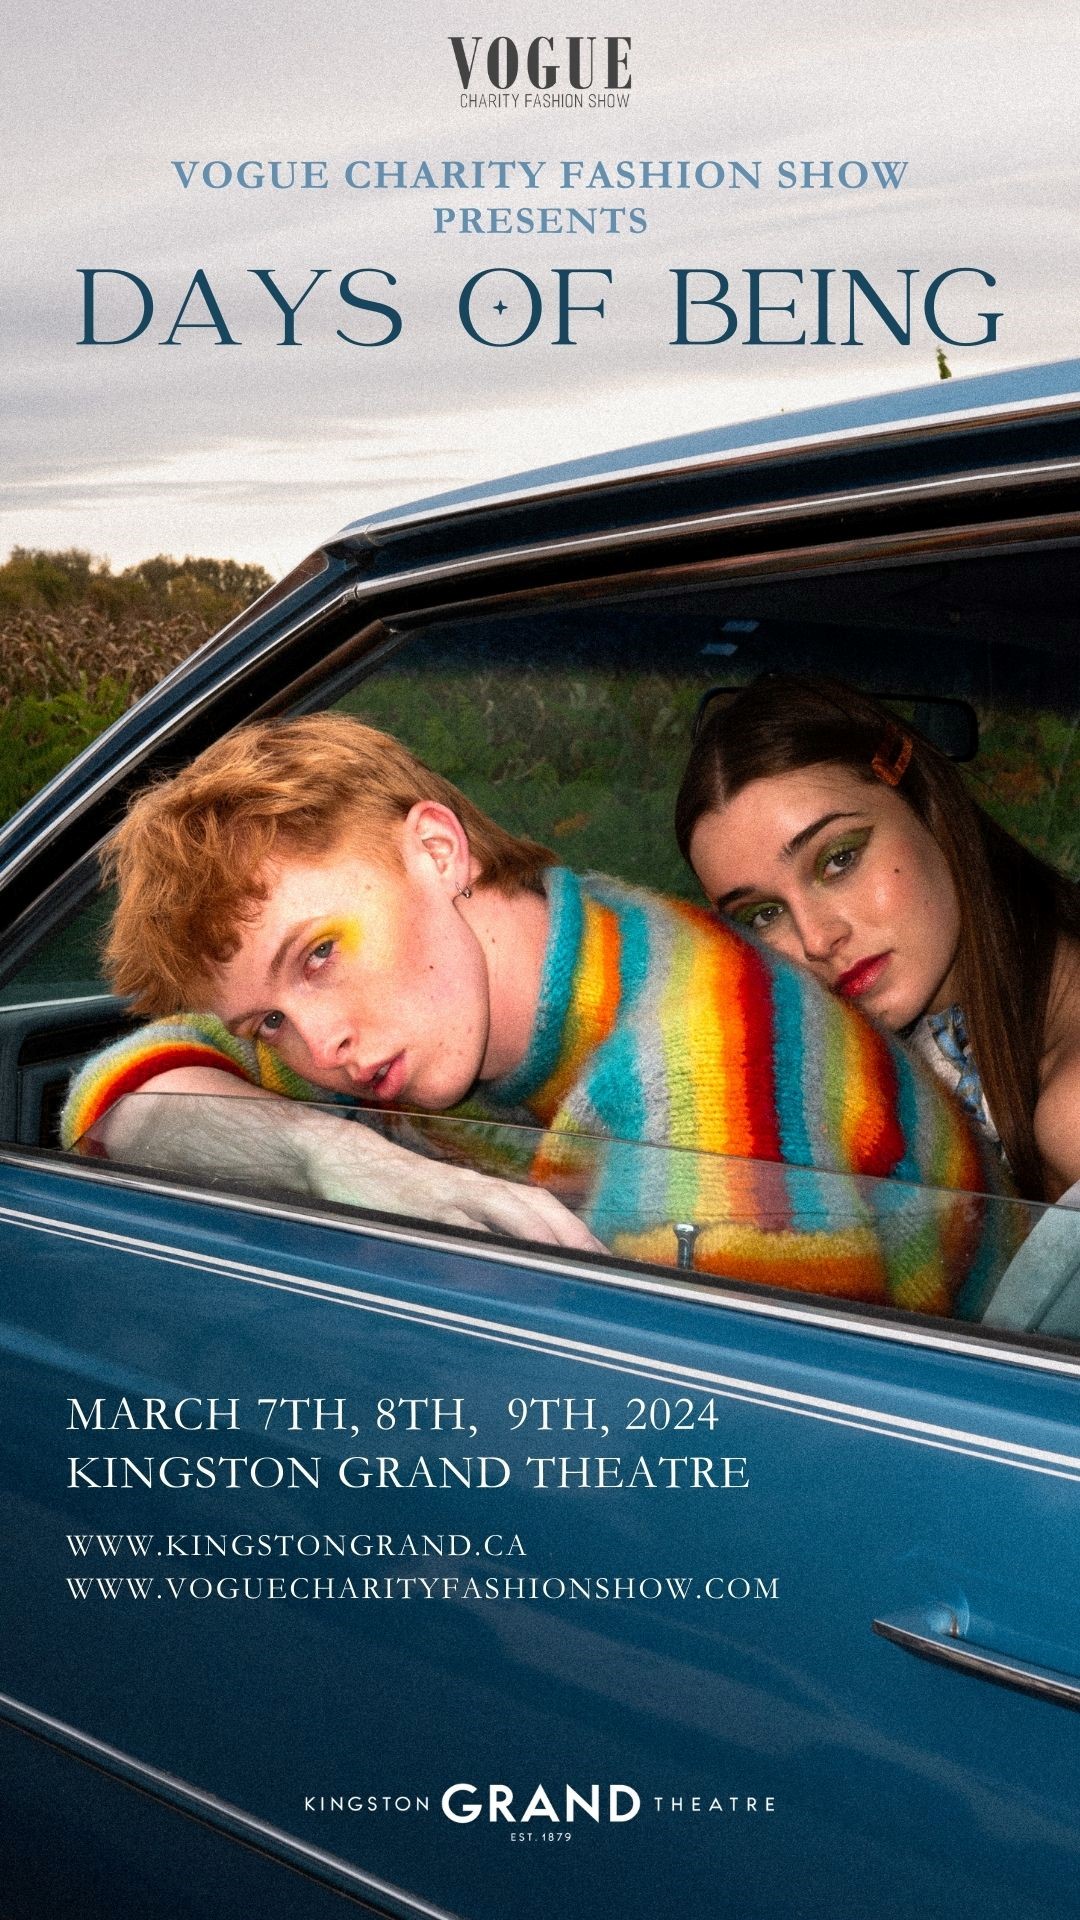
346, 935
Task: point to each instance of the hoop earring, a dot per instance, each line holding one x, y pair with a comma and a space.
463, 893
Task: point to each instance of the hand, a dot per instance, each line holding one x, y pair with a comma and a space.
527, 1213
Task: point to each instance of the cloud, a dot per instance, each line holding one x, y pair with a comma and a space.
268, 446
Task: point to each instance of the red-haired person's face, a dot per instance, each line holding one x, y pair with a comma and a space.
840, 875
365, 977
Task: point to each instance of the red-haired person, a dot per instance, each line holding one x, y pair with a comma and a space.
349, 925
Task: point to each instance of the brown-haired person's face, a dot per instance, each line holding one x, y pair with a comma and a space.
363, 976
840, 875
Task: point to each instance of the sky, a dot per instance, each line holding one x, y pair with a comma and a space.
260, 450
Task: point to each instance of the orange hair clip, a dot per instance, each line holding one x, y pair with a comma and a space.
891, 759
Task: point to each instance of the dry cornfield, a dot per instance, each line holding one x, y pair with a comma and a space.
79, 644
49, 653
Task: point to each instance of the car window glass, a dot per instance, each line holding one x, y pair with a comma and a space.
554, 728
704, 1217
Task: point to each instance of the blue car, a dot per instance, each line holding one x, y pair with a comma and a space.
453, 1619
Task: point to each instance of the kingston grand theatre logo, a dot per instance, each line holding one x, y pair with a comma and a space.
572, 70
545, 1810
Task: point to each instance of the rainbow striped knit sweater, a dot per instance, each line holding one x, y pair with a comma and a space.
683, 1074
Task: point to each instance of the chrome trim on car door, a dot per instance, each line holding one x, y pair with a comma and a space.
244, 1829
749, 569
948, 1648
805, 506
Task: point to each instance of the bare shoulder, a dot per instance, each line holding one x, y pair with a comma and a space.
1057, 1126
1057, 1111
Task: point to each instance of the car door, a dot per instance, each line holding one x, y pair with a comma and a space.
345, 1525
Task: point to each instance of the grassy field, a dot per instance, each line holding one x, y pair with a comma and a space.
586, 763
590, 763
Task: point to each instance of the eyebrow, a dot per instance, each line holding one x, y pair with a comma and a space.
794, 845
299, 931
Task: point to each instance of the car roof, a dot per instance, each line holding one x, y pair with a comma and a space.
983, 395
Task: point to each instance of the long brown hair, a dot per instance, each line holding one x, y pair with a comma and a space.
1013, 906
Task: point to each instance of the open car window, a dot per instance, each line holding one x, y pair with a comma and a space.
567, 717
705, 1219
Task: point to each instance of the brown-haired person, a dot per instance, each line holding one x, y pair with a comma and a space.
816, 821
351, 926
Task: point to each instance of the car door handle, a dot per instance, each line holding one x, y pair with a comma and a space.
919, 1635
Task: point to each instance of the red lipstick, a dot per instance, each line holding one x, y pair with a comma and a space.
860, 978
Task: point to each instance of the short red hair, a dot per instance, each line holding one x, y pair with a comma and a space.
189, 856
